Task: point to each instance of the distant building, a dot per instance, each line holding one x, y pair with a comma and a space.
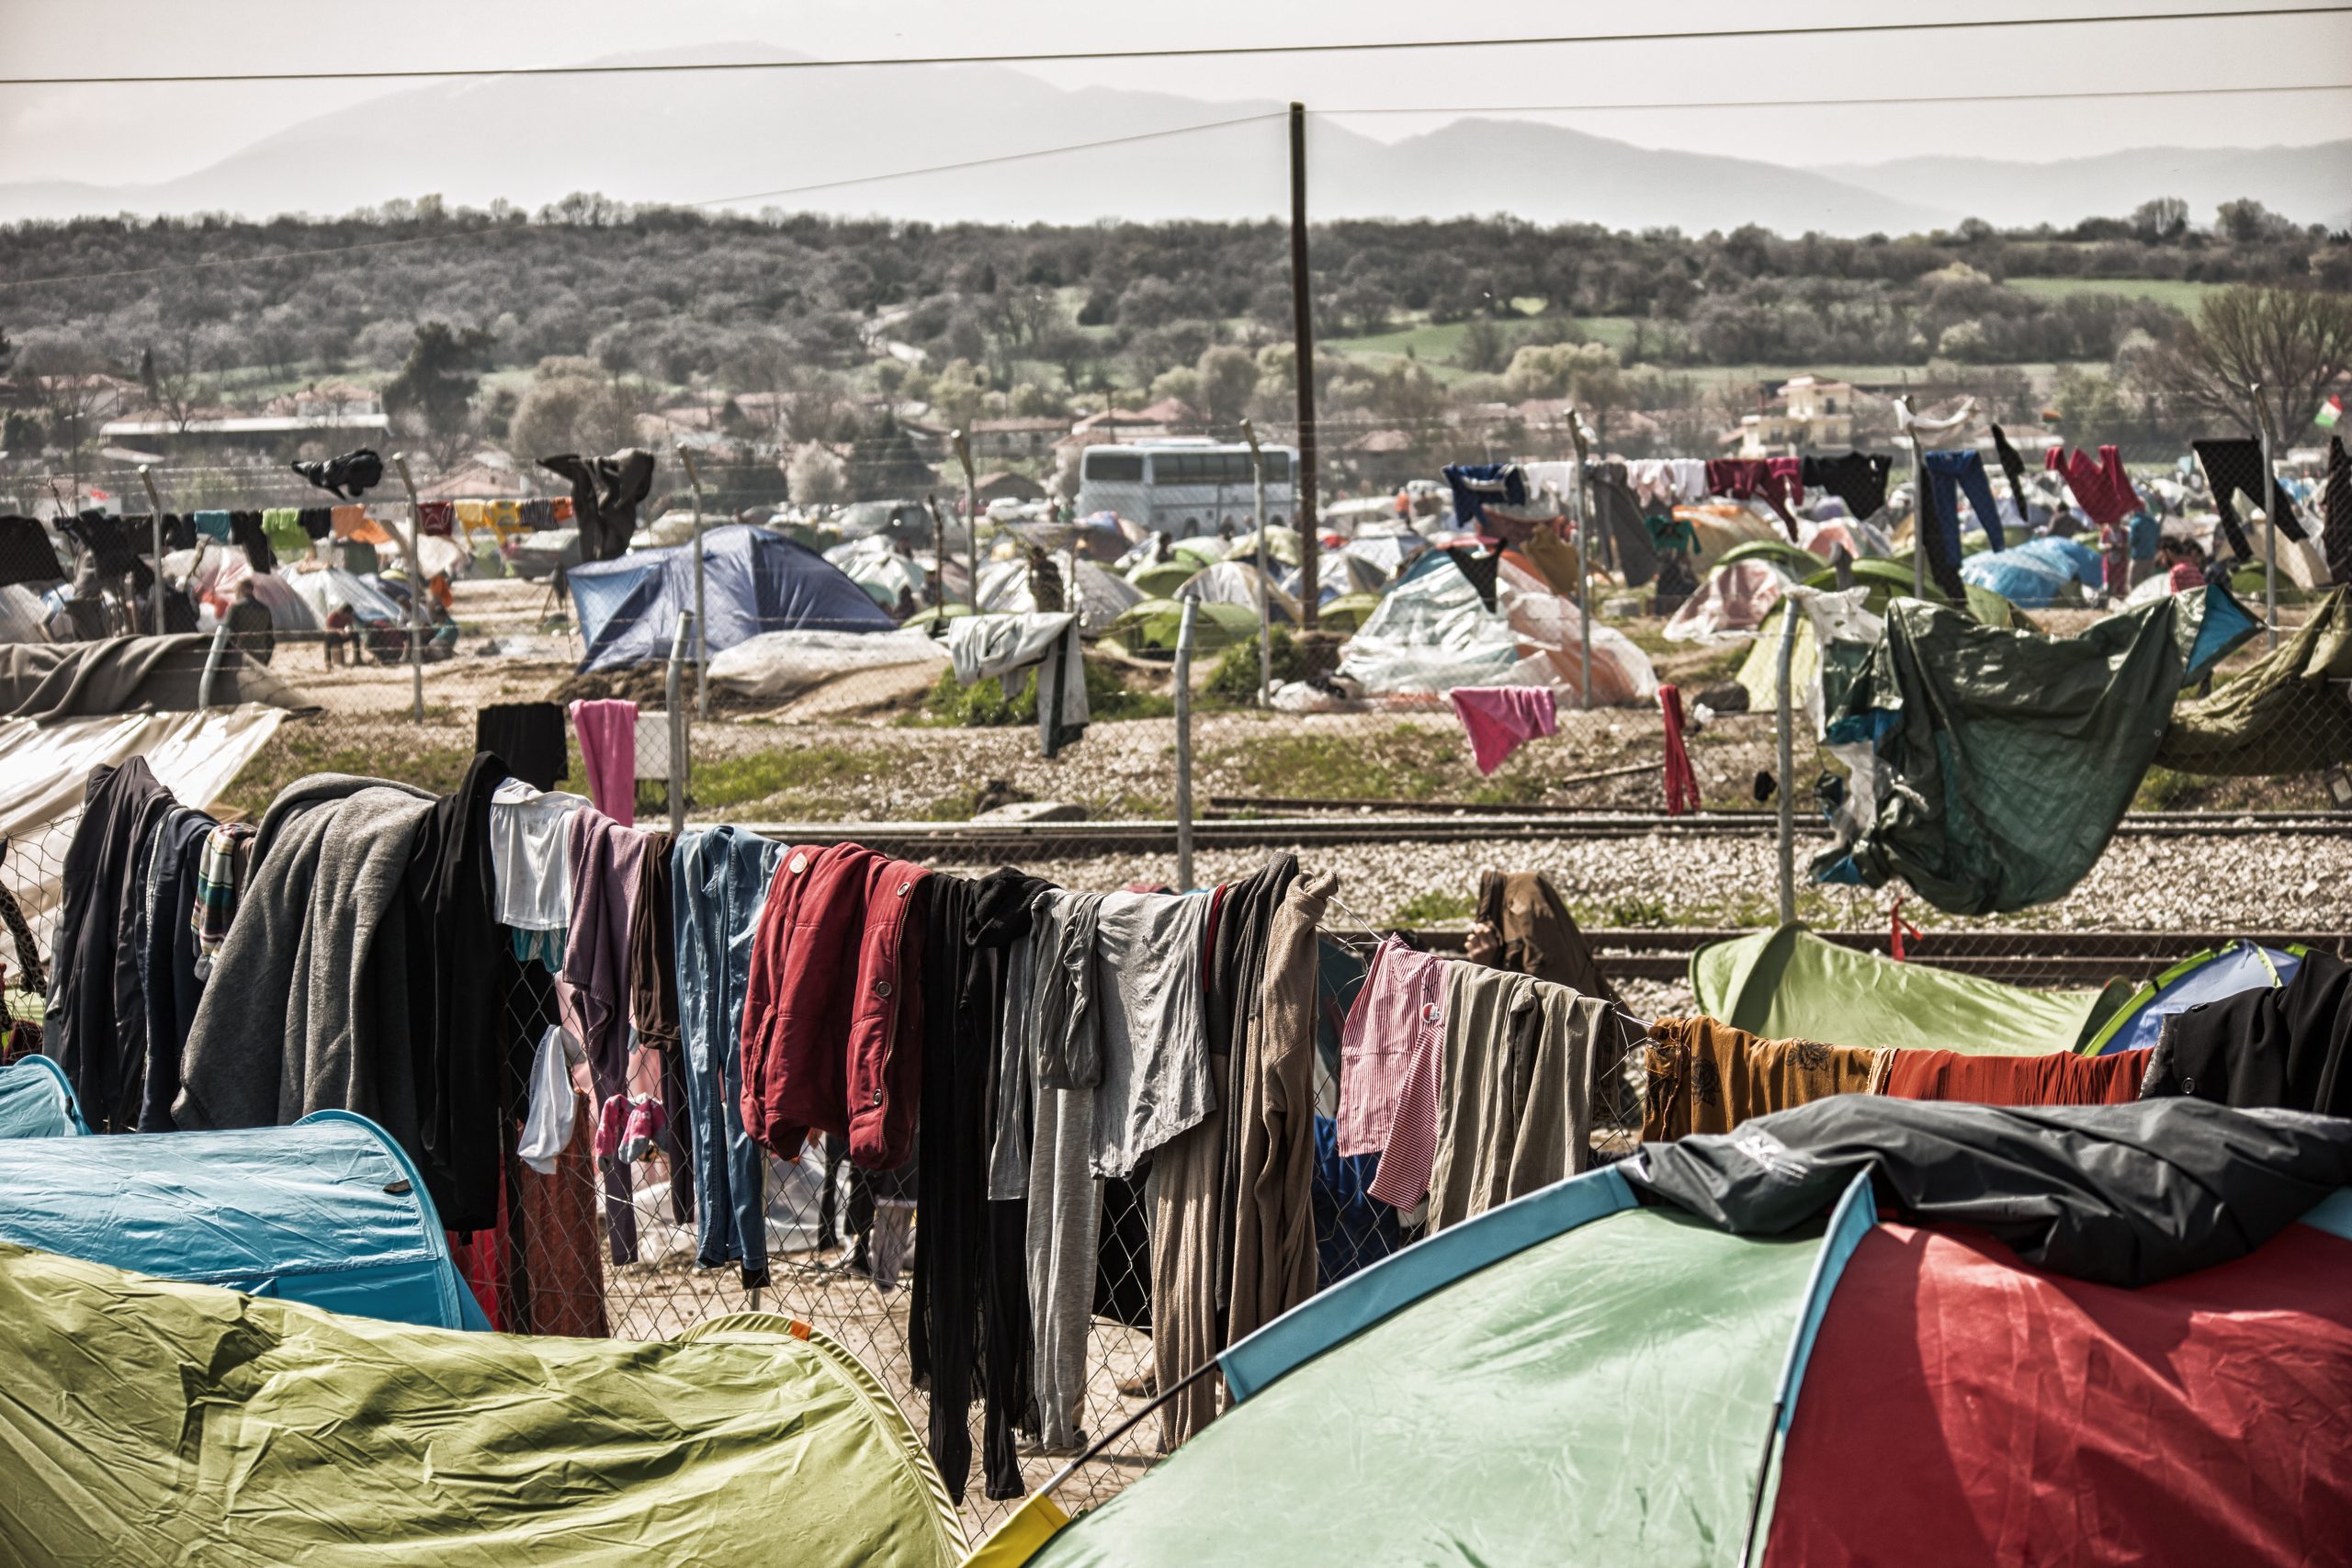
1806, 415
254, 432
1025, 437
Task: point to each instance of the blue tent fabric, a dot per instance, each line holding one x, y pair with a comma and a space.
2032, 575
2208, 977
36, 1102
328, 1212
754, 581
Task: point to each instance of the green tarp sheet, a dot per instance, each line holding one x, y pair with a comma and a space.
1601, 1397
2012, 754
1790, 984
2288, 714
151, 1422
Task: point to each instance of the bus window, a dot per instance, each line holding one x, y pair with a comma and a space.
1278, 467
1114, 468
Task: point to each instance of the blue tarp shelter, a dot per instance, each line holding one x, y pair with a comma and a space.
328, 1212
2036, 574
36, 1102
754, 581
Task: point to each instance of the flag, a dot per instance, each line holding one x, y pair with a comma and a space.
2329, 412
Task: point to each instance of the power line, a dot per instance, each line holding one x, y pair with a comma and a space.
1204, 52
1836, 103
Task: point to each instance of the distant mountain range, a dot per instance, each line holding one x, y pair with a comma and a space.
730, 139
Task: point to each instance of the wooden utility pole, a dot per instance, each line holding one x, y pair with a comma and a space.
1302, 296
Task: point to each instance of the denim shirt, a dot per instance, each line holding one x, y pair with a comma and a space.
719, 883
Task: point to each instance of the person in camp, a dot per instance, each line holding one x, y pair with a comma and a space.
342, 636
2182, 562
252, 630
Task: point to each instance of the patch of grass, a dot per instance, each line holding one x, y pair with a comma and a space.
1435, 908
2182, 294
793, 776
1408, 762
1234, 683
983, 704
300, 748
1632, 911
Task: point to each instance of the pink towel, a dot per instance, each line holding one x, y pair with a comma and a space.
1500, 717
608, 749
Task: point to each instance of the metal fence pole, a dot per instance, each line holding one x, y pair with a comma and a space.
2269, 521
680, 733
1790, 609
155, 504
1265, 606
415, 592
1184, 744
1583, 508
702, 649
1920, 520
213, 663
971, 517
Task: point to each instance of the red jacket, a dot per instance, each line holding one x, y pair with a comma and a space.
832, 1015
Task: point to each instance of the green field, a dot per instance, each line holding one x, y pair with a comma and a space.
2178, 293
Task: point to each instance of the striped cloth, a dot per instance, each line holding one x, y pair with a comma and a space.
220, 878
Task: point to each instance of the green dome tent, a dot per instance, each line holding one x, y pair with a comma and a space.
1160, 579
1150, 626
152, 1422
1348, 612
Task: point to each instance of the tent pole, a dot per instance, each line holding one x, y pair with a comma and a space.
415, 592
2269, 521
702, 649
155, 504
1184, 744
1265, 609
971, 516
1789, 606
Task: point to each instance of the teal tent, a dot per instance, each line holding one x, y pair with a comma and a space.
36, 1102
1790, 984
328, 1212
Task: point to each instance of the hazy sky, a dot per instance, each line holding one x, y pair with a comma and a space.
133, 134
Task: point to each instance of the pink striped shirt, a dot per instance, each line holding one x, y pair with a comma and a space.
1389, 1050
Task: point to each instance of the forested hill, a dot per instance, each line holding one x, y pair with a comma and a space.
674, 295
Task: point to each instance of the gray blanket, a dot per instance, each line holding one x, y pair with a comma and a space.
53, 680
307, 1008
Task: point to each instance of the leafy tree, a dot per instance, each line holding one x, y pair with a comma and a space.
575, 405
2294, 342
2247, 222
1223, 379
2090, 408
1482, 347
2160, 218
435, 387
816, 477
884, 464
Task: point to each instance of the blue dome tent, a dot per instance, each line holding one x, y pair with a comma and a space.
328, 1212
36, 1102
754, 581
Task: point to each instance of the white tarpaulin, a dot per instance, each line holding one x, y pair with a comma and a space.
45, 767
1432, 634
775, 664
1102, 595
1730, 604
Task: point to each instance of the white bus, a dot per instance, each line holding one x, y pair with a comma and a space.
1185, 487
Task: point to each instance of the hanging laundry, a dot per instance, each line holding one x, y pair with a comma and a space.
2059, 1077
1477, 486
1392, 1029
1002, 646
1932, 432
1667, 482
245, 533
536, 513
591, 989
718, 880
1351, 1231
213, 526
2234, 468
316, 522
345, 477
1856, 479
1681, 781
607, 731
1516, 1084
1949, 476
435, 519
1500, 718
530, 737
114, 549
2336, 513
553, 1104
2010, 756
2102, 489
470, 516
220, 883
1706, 1077
605, 493
2013, 467
1746, 478
530, 848
26, 554
93, 1026
282, 526
2281, 1047
1617, 512
165, 946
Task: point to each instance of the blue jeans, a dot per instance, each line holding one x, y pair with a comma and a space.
1950, 474
718, 881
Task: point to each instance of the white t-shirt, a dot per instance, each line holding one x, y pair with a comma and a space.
530, 852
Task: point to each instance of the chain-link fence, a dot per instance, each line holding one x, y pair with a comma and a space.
1346, 744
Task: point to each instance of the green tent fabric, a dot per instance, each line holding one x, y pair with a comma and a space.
1151, 627
1603, 1396
2286, 715
1794, 560
2012, 754
1790, 984
1162, 579
1348, 612
153, 1423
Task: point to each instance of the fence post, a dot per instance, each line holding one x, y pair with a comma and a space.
2269, 521
415, 592
1790, 607
972, 516
213, 663
1584, 508
1265, 607
155, 504
681, 732
1922, 519
702, 638
1184, 744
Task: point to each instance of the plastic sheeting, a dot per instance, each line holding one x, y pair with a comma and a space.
2289, 713
874, 564
195, 755
1103, 595
1237, 583
2036, 574
1601, 1396
1432, 634
1790, 984
327, 1211
250, 1432
776, 664
326, 592
754, 581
